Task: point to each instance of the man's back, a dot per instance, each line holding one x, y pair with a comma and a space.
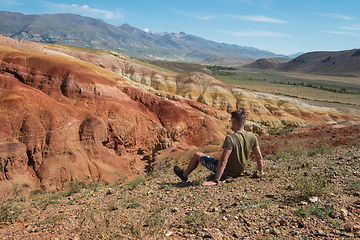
240, 144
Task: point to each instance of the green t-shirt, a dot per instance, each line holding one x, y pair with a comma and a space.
240, 144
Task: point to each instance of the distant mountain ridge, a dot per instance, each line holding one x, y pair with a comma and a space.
340, 63
75, 30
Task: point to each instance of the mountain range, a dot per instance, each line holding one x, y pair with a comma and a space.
340, 63
76, 30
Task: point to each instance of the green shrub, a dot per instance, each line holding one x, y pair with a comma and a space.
314, 184
136, 182
94, 186
353, 186
73, 187
283, 155
316, 210
8, 213
200, 218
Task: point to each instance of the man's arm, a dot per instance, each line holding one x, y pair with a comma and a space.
259, 158
220, 168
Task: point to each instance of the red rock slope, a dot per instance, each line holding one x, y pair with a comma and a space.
64, 119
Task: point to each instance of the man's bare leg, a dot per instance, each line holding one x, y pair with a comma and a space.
194, 162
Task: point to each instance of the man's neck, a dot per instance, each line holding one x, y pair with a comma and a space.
239, 129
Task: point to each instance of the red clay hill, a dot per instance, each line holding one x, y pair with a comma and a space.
64, 119
93, 118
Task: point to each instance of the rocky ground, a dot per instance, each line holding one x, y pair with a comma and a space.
306, 193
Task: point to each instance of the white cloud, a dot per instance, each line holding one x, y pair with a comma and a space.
255, 33
257, 19
85, 10
338, 16
197, 15
209, 16
203, 16
342, 33
354, 27
9, 3
255, 3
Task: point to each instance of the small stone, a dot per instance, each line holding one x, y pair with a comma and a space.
283, 222
236, 235
313, 199
302, 224
303, 203
274, 224
334, 214
215, 209
343, 213
270, 195
168, 234
321, 233
224, 218
109, 191
349, 227
290, 187
219, 234
175, 209
275, 231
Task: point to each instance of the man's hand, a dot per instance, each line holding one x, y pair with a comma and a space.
209, 183
257, 174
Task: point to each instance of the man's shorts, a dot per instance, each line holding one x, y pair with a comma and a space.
211, 164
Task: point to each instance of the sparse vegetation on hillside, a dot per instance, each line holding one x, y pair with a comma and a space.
309, 193
221, 70
321, 87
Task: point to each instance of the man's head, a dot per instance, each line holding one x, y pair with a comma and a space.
238, 117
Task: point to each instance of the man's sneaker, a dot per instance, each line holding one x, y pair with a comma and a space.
180, 173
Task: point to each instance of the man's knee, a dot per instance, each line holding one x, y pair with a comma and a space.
198, 155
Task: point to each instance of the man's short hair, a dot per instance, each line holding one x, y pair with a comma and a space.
239, 116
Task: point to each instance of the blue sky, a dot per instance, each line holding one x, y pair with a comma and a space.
279, 26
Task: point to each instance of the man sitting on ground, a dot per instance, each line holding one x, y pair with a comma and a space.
237, 147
